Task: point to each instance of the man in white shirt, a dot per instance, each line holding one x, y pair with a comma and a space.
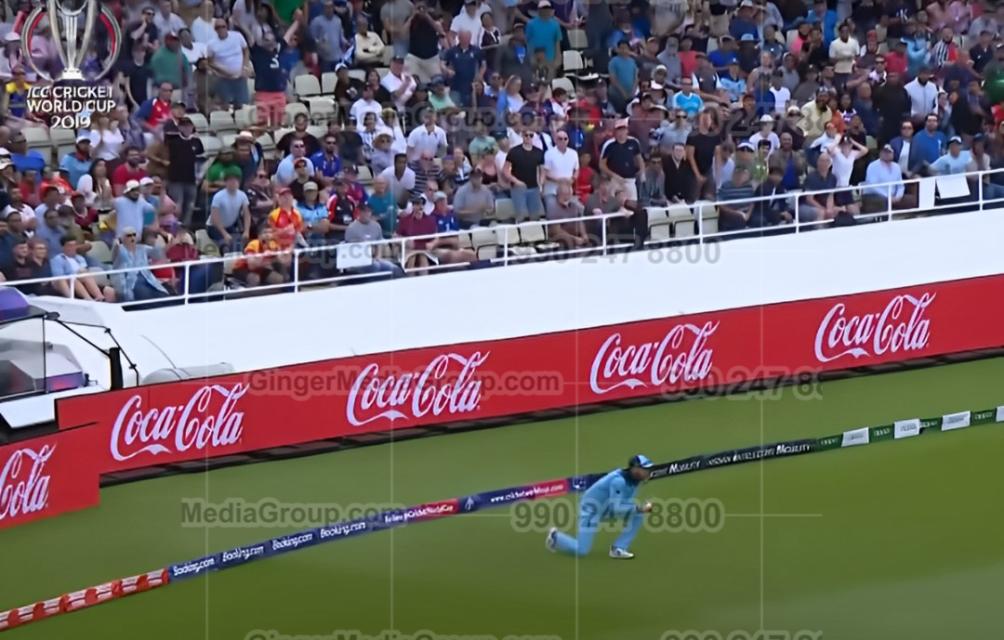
228, 57
166, 21
429, 138
561, 164
781, 93
366, 104
843, 51
400, 178
923, 94
192, 49
469, 19
766, 132
202, 26
399, 83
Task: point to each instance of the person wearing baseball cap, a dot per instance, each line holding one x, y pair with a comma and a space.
75, 165
621, 160
131, 209
544, 32
285, 221
954, 161
611, 497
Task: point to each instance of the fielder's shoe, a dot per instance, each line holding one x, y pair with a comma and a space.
620, 554
551, 542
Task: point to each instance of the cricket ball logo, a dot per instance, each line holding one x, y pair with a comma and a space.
900, 327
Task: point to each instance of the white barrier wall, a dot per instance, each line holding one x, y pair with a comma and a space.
256, 333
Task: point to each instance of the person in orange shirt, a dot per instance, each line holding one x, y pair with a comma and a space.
256, 269
286, 221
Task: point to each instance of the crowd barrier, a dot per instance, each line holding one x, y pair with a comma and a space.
84, 598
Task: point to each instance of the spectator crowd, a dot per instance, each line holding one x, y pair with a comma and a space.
252, 127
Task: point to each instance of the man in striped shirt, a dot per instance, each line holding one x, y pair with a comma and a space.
734, 216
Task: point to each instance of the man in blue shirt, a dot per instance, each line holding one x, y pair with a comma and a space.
929, 142
828, 18
745, 21
953, 162
327, 163
544, 31
724, 55
611, 497
23, 158
76, 164
463, 64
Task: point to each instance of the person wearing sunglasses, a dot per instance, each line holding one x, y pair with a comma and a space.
138, 283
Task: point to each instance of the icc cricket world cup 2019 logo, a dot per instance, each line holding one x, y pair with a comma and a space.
70, 96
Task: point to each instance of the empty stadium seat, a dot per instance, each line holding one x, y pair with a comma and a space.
62, 137
227, 139
212, 145
365, 175
709, 217
358, 74
36, 137
200, 122
682, 220
246, 117
659, 226
221, 121
573, 62
484, 244
322, 108
328, 81
306, 85
504, 209
577, 39
535, 235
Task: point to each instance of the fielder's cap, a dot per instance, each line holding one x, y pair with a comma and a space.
640, 461
955, 139
146, 182
83, 137
132, 185
310, 186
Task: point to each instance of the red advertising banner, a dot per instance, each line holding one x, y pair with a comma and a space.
47, 476
189, 420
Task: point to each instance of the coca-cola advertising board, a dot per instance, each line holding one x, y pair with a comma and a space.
189, 420
47, 476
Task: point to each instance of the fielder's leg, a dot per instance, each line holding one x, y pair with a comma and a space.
580, 546
634, 523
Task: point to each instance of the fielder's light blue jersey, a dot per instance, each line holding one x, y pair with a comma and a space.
612, 495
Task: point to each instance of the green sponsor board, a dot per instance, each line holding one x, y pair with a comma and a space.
877, 434
829, 442
930, 423
986, 416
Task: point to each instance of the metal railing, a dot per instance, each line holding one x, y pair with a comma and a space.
529, 241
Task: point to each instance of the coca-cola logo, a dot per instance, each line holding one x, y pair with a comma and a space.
900, 327
24, 488
683, 354
208, 419
439, 388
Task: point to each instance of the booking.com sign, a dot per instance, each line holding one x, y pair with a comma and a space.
72, 24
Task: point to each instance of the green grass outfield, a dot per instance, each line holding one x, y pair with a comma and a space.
896, 540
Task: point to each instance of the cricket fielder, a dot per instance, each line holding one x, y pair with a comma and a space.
612, 497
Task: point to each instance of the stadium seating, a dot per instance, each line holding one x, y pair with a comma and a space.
573, 62
221, 121
36, 137
328, 81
